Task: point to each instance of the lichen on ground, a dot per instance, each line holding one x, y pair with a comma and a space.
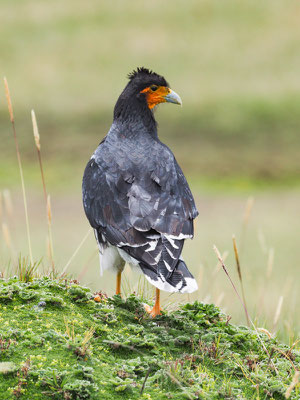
56, 342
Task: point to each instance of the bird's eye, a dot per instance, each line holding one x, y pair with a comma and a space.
153, 88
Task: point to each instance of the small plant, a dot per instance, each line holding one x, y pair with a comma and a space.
78, 383
79, 346
27, 271
22, 377
5, 345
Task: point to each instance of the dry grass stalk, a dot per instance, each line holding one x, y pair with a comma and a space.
245, 373
219, 265
38, 147
88, 336
293, 384
8, 99
206, 299
35, 131
287, 356
200, 276
10, 109
294, 344
49, 213
7, 240
238, 266
47, 197
219, 299
6, 235
246, 217
246, 311
48, 247
233, 285
70, 332
178, 383
87, 264
265, 331
270, 263
75, 252
289, 330
262, 241
8, 203
248, 209
1, 207
278, 311
49, 219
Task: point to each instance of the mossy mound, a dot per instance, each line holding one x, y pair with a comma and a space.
56, 342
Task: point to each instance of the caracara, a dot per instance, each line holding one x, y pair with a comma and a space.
135, 195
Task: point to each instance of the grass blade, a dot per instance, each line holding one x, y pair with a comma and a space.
292, 385
233, 285
75, 252
47, 197
38, 147
246, 311
238, 266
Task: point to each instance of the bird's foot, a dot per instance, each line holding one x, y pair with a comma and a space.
153, 312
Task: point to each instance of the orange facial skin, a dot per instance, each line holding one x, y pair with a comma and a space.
157, 96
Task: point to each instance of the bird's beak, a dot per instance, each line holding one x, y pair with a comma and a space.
173, 97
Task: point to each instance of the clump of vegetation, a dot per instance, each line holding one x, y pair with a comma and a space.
57, 342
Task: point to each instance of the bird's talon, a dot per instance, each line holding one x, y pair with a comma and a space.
153, 312
147, 308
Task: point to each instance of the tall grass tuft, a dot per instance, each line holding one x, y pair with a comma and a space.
10, 109
26, 271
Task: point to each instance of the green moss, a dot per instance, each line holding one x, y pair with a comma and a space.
56, 342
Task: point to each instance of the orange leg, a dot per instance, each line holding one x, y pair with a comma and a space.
118, 288
156, 310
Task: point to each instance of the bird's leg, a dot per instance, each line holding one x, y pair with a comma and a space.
118, 288
156, 310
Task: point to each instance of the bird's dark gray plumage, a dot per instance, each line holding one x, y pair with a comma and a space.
135, 195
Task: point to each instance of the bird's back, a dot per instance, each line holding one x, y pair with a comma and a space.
137, 198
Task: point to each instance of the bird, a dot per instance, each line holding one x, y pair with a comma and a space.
135, 195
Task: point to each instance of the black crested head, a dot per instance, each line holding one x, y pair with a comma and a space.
132, 103
144, 77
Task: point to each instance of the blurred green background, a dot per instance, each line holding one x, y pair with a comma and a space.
236, 67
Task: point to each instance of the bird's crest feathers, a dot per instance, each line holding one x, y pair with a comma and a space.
142, 77
141, 71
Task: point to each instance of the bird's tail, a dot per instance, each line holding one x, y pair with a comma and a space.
180, 280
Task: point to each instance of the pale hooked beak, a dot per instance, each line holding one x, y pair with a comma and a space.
173, 97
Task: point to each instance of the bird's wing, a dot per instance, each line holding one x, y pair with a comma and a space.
146, 208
